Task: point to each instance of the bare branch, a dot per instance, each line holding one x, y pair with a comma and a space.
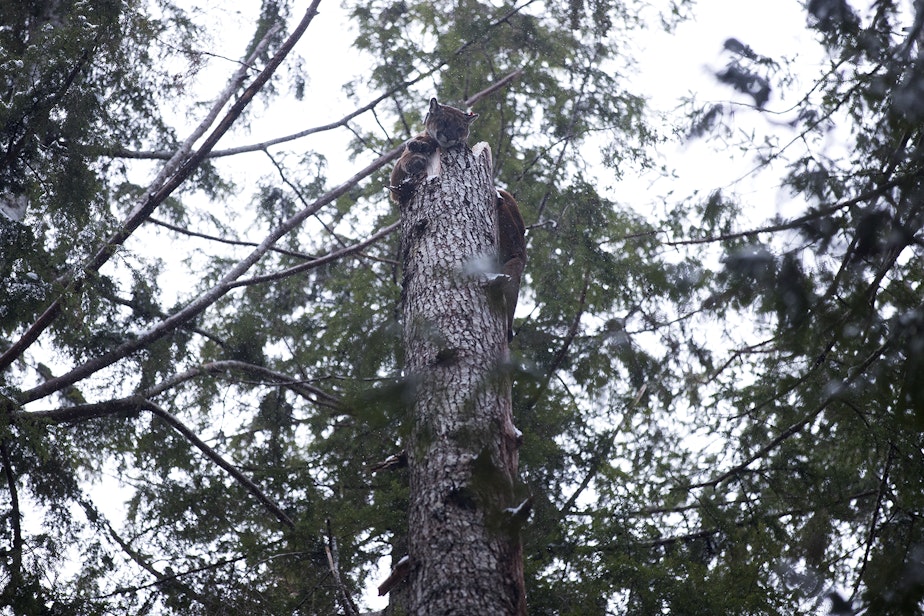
131, 404
333, 561
222, 240
333, 256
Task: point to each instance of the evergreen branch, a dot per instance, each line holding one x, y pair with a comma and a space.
737, 354
576, 112
795, 223
345, 120
198, 305
214, 456
13, 149
566, 344
606, 440
134, 404
149, 311
871, 534
156, 197
794, 428
299, 386
298, 194
160, 579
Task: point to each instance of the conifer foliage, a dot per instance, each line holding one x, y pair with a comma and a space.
203, 403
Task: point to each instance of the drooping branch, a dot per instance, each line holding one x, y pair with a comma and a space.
171, 581
800, 221
301, 387
793, 429
135, 404
224, 240
562, 352
874, 522
212, 455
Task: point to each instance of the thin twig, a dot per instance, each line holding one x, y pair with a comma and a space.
791, 430
328, 258
222, 240
871, 535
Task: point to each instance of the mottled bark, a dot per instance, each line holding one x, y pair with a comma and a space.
463, 545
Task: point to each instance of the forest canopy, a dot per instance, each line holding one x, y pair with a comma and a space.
719, 385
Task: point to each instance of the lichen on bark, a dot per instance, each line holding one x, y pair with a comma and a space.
463, 450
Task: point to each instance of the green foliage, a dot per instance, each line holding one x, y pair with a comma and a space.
720, 414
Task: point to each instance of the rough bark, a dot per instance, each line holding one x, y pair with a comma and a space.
463, 546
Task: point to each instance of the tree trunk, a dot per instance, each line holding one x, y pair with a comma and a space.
463, 546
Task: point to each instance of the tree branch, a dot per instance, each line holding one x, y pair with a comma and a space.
871, 534
16, 546
795, 222
99, 520
155, 198
212, 455
318, 262
791, 430
222, 240
333, 561
134, 404
563, 351
208, 298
